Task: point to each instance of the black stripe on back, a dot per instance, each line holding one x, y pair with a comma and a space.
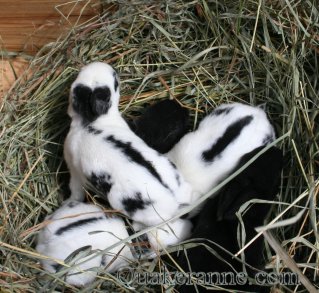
77, 224
135, 156
231, 133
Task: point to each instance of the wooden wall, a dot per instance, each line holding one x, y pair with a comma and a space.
26, 25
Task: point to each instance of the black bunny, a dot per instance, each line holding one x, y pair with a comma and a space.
217, 224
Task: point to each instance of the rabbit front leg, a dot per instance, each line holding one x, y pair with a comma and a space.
76, 186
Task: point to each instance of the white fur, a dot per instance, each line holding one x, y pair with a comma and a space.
111, 230
86, 153
187, 153
169, 234
61, 246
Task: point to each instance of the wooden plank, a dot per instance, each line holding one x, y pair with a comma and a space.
28, 25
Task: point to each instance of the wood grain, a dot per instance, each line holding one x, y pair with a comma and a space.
25, 26
28, 25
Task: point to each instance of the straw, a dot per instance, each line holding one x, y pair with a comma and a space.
201, 53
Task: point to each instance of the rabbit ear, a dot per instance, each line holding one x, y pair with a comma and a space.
259, 180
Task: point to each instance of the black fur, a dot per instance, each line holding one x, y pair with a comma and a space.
135, 156
259, 180
91, 104
72, 204
141, 245
93, 130
57, 267
76, 224
101, 100
102, 182
177, 176
268, 139
218, 223
231, 133
131, 205
103, 261
81, 102
162, 125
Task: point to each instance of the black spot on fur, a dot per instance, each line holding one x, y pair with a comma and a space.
91, 104
77, 224
80, 102
93, 130
116, 82
172, 164
231, 133
135, 156
103, 261
220, 111
131, 205
177, 176
56, 267
102, 182
72, 204
268, 139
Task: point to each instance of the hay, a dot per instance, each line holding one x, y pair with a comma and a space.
201, 53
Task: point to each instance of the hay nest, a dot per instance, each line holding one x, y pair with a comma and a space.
201, 53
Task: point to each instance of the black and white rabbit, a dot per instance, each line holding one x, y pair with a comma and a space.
218, 227
162, 125
78, 226
206, 156
102, 152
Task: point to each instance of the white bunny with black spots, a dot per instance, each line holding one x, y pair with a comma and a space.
102, 152
70, 228
207, 155
79, 226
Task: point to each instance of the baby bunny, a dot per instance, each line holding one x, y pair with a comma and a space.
72, 227
218, 227
162, 125
79, 226
206, 156
102, 152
